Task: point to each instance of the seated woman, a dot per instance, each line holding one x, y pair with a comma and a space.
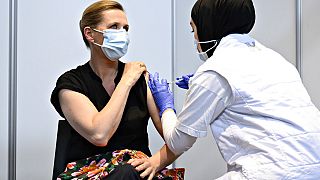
107, 102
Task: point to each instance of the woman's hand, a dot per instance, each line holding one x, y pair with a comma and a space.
132, 72
146, 165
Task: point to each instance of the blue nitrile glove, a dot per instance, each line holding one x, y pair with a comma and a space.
161, 92
183, 82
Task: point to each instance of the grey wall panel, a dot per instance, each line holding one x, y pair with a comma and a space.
49, 44
311, 48
275, 26
4, 72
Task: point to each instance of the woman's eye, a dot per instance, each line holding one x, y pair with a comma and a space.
114, 26
117, 26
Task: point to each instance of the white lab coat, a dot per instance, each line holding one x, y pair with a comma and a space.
269, 128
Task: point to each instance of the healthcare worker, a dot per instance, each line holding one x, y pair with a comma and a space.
253, 100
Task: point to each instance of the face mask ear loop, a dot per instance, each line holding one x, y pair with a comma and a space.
99, 32
204, 42
97, 44
215, 44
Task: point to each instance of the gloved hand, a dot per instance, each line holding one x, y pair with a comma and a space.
161, 92
183, 82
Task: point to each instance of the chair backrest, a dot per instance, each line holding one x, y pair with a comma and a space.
62, 143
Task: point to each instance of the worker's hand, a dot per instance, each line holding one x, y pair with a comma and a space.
132, 72
161, 92
146, 166
183, 82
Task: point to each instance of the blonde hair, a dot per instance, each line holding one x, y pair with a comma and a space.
92, 15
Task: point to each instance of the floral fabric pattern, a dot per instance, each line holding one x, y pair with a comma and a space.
101, 165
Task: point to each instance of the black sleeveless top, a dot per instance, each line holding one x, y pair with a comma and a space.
132, 130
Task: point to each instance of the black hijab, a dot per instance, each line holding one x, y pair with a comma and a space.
216, 19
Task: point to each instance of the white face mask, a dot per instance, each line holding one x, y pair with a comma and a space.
203, 55
115, 43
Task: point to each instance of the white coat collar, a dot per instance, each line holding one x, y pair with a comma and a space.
236, 40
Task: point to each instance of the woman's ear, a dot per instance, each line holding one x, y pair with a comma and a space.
87, 31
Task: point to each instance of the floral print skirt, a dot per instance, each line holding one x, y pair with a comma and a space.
101, 165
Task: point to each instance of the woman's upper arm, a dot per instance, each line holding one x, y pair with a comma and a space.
153, 110
78, 110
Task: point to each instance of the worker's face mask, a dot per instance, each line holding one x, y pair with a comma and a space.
115, 43
203, 55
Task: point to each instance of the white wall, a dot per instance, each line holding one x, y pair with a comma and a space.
4, 75
275, 26
50, 43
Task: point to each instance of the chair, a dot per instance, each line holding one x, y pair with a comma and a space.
62, 143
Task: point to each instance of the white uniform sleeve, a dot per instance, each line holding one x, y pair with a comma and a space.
208, 96
177, 141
